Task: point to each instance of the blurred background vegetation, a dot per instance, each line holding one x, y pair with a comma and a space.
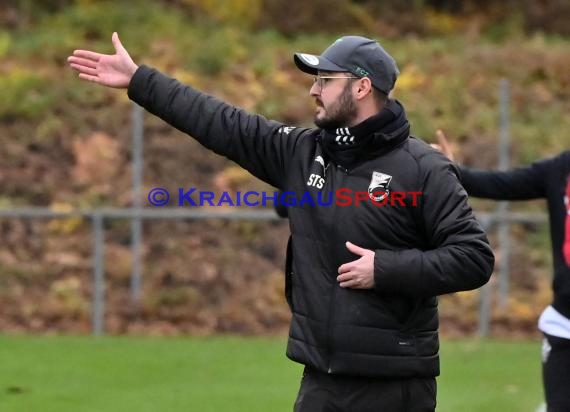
66, 144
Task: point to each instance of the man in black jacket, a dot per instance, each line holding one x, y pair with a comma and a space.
380, 225
544, 179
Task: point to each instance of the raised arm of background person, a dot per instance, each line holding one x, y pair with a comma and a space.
522, 183
257, 144
456, 255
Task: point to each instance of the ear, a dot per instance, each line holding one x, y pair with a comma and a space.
364, 88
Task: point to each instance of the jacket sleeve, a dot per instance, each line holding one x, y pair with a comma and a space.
259, 145
457, 255
522, 183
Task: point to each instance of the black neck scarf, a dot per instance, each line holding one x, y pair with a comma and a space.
346, 146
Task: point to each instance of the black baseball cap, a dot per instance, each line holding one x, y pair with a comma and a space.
358, 55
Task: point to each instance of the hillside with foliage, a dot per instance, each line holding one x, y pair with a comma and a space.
67, 144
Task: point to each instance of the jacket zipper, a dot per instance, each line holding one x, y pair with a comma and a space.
334, 286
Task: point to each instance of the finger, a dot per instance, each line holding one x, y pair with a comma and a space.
82, 62
444, 144
90, 78
357, 250
436, 146
347, 267
79, 68
84, 70
87, 54
442, 139
351, 283
344, 277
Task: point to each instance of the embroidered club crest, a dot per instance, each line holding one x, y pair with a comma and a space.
378, 189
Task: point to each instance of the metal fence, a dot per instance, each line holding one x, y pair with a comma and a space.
97, 217
499, 220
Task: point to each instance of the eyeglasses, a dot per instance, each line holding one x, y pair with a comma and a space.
321, 81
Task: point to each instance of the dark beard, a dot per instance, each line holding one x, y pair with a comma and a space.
341, 114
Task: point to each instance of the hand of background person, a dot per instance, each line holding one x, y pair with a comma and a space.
112, 70
443, 145
358, 274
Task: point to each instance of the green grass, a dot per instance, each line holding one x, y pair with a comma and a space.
489, 376
228, 374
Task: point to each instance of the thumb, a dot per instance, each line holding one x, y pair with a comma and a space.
441, 138
444, 145
357, 250
117, 43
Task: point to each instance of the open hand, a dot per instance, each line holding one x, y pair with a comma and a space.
443, 145
112, 70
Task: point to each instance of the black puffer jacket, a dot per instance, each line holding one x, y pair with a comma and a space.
425, 245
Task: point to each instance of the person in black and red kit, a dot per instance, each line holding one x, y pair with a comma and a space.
545, 179
361, 279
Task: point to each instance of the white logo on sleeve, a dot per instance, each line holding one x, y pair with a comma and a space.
286, 129
378, 189
316, 179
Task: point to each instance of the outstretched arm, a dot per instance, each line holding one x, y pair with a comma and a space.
111, 70
521, 183
263, 147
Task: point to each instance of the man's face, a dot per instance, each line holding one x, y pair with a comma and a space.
336, 106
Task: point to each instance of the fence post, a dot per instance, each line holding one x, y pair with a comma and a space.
98, 313
504, 238
485, 296
136, 221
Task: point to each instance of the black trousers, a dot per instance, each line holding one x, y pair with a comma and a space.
321, 392
556, 373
